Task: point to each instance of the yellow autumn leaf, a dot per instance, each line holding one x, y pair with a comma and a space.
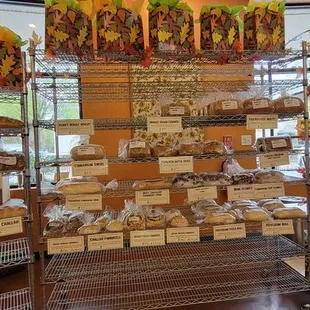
133, 35
164, 35
231, 35
153, 33
86, 7
61, 36
184, 32
216, 37
98, 4
61, 7
261, 37
50, 30
7, 65
261, 12
217, 12
82, 36
206, 34
112, 36
276, 35
102, 33
110, 8
249, 34
274, 6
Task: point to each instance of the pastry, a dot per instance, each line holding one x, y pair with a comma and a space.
258, 106
187, 180
179, 221
256, 215
54, 227
243, 206
152, 184
289, 105
263, 201
243, 178
206, 207
289, 213
171, 214
135, 220
155, 218
272, 144
226, 107
272, 176
74, 222
87, 229
103, 221
217, 218
12, 161
273, 204
115, 226
190, 148
138, 149
7, 122
214, 147
215, 179
87, 152
164, 151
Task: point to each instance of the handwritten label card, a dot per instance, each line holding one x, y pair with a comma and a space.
201, 193
11, 226
274, 159
270, 190
65, 245
84, 202
176, 164
239, 192
141, 238
153, 197
108, 241
90, 167
75, 127
233, 231
278, 227
184, 234
164, 124
262, 121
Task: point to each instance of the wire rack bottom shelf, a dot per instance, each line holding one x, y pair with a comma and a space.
177, 288
16, 300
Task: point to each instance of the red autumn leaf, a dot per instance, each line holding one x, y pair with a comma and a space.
146, 62
148, 52
237, 46
254, 58
223, 59
3, 80
129, 49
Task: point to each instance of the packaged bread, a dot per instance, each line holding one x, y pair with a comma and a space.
243, 178
258, 106
135, 148
188, 148
289, 213
204, 207
243, 206
164, 151
179, 221
273, 204
270, 176
289, 105
163, 183
263, 201
87, 152
115, 226
215, 179
226, 107
75, 221
272, 144
214, 147
12, 208
218, 218
154, 217
12, 161
256, 215
187, 180
134, 217
175, 109
57, 222
7, 122
89, 226
104, 219
170, 214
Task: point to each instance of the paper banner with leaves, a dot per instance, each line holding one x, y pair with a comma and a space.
120, 30
10, 65
68, 30
171, 29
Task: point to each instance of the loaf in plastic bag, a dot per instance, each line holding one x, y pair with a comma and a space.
13, 207
289, 105
89, 226
57, 221
12, 161
163, 183
135, 148
272, 144
134, 219
154, 217
289, 213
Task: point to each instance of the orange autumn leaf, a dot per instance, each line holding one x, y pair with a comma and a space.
133, 35
9, 47
7, 65
61, 36
61, 7
17, 71
71, 16
121, 15
50, 30
3, 80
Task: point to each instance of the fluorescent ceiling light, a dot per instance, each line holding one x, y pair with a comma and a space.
32, 25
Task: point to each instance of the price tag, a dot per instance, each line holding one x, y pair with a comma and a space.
84, 202
261, 121
278, 227
239, 192
176, 164
90, 167
270, 190
153, 197
140, 238
176, 110
108, 241
232, 231
201, 193
65, 245
75, 127
184, 234
11, 226
274, 159
9, 161
164, 124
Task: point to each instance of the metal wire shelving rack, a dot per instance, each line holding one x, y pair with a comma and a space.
179, 274
15, 252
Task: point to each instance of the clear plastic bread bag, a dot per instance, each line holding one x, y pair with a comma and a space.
57, 222
134, 218
105, 218
75, 221
89, 226
231, 166
154, 217
135, 148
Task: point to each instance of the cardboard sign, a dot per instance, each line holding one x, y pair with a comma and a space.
164, 124
75, 127
153, 197
65, 245
201, 193
11, 226
274, 159
84, 202
261, 121
184, 234
269, 190
278, 227
177, 164
232, 231
90, 167
239, 192
108, 241
141, 238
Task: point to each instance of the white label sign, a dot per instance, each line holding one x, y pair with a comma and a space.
140, 238
108, 241
261, 121
279, 143
164, 124
176, 110
260, 104
233, 231
9, 161
84, 202
230, 105
136, 144
86, 150
184, 234
75, 127
65, 245
270, 190
90, 167
278, 227
239, 192
201, 193
11, 226
176, 164
291, 102
274, 159
153, 197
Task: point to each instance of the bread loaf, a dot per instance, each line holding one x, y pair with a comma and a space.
135, 220
12, 161
7, 122
179, 221
176, 109
272, 176
226, 107
256, 215
190, 148
289, 213
272, 144
258, 106
76, 188
13, 207
164, 151
272, 205
218, 218
115, 226
155, 218
187, 180
152, 184
215, 179
289, 104
87, 152
214, 147
138, 149
87, 229
243, 178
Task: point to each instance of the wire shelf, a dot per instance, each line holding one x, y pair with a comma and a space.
11, 132
179, 288
14, 252
172, 257
16, 300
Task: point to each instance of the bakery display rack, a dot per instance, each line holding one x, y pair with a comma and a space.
14, 252
175, 274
